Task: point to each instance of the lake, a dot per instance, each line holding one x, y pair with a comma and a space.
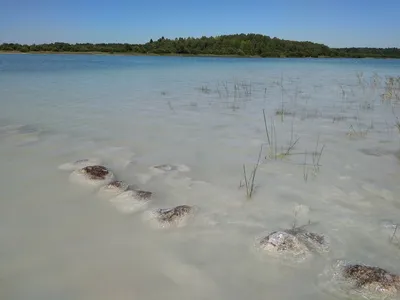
330, 160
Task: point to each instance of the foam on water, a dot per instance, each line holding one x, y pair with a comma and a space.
167, 170
130, 202
113, 189
119, 157
79, 164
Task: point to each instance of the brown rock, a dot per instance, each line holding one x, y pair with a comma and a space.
365, 276
96, 172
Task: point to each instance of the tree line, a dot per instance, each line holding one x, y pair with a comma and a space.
226, 45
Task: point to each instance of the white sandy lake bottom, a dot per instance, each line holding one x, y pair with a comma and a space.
61, 240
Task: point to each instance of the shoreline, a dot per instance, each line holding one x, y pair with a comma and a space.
179, 55
127, 54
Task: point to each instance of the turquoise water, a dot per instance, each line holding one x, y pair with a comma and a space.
206, 115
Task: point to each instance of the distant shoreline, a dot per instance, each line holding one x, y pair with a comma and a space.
242, 45
176, 55
126, 54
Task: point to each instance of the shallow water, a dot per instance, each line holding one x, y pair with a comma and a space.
60, 240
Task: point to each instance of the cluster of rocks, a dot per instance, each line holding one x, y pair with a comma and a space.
297, 243
126, 198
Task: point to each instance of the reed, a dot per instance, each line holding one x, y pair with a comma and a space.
266, 128
249, 179
357, 133
282, 110
397, 120
305, 168
273, 144
393, 238
392, 89
316, 157
171, 107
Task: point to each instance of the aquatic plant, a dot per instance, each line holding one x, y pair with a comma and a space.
359, 133
397, 120
171, 107
236, 92
394, 237
282, 113
249, 180
343, 92
295, 214
392, 88
361, 81
366, 105
242, 89
204, 89
291, 146
316, 156
305, 168
282, 110
273, 147
398, 124
339, 118
272, 142
266, 128
375, 81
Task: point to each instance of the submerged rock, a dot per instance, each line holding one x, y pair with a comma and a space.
376, 151
79, 164
96, 172
296, 243
131, 201
163, 168
118, 184
360, 281
142, 195
114, 188
167, 217
313, 241
173, 214
372, 278
166, 167
92, 175
282, 243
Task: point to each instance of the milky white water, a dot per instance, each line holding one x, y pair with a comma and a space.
61, 240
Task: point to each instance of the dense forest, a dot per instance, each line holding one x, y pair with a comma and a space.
226, 45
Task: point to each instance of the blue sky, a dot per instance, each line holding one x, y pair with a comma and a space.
337, 23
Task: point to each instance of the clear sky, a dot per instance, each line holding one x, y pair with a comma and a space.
336, 23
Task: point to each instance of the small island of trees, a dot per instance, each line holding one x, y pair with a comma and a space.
241, 45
